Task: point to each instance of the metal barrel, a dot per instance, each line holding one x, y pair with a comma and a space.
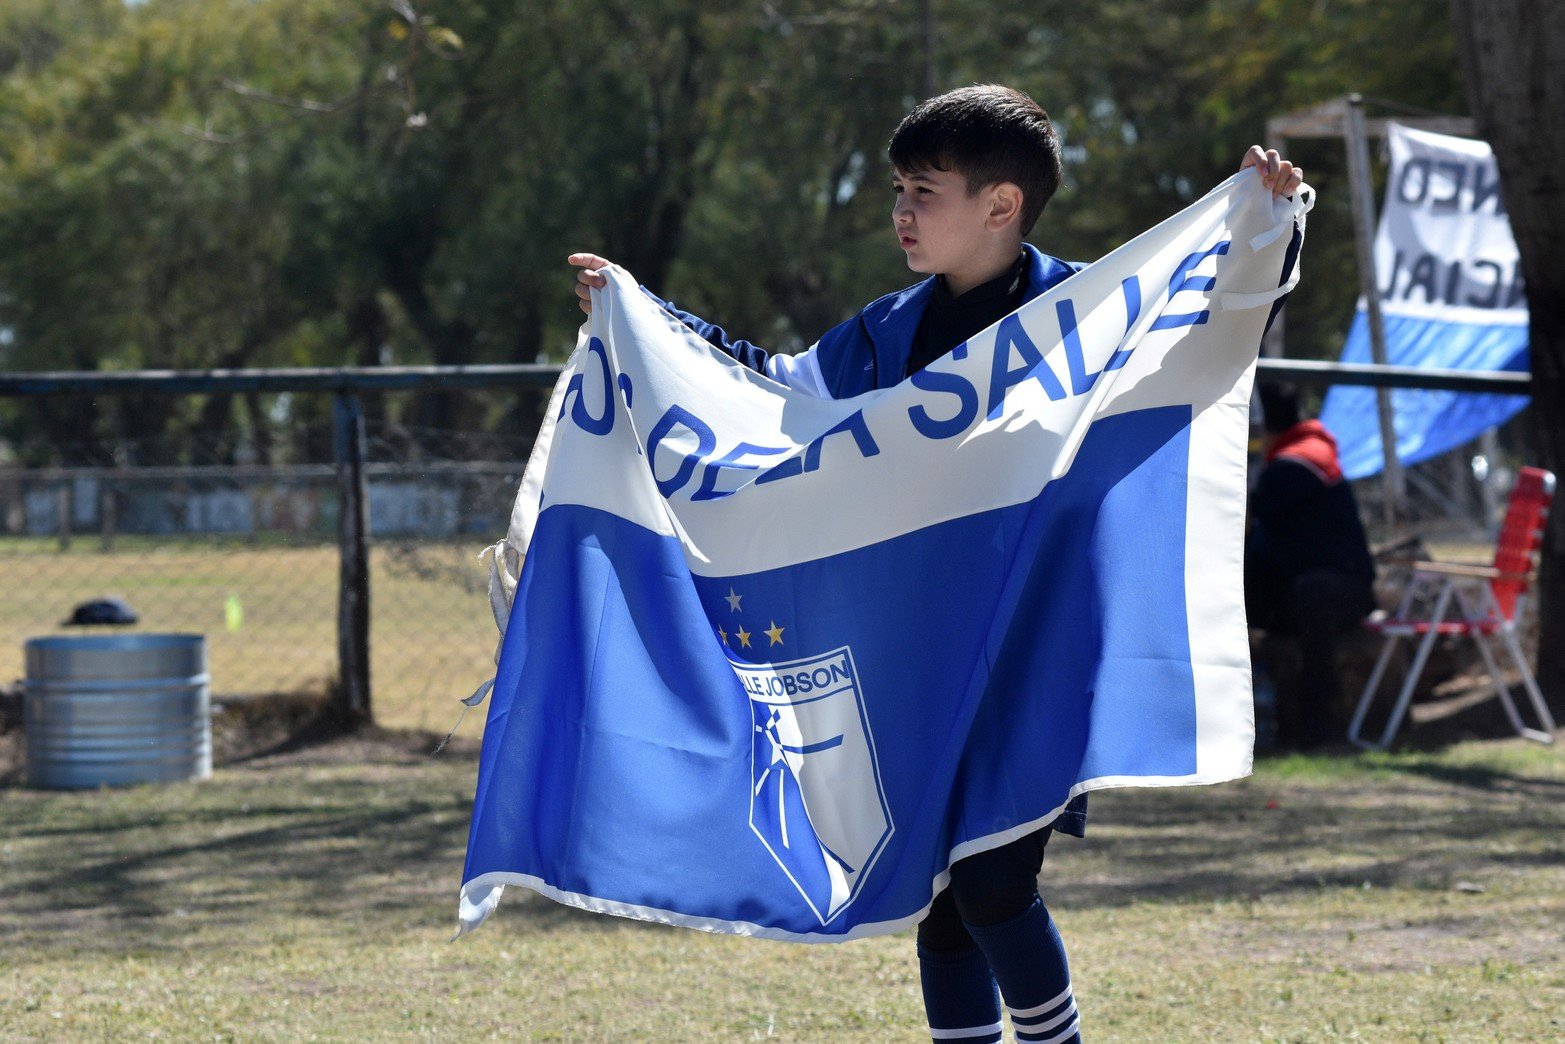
114, 710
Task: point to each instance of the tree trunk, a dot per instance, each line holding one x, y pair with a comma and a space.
1510, 54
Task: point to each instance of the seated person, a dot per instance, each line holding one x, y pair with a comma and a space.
1307, 567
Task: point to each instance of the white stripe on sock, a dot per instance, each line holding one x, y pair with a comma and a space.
1043, 1027
964, 1032
1045, 1006
1073, 1028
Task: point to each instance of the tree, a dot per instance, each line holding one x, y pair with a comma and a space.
1510, 54
195, 183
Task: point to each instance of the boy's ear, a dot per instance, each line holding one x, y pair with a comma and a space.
1005, 205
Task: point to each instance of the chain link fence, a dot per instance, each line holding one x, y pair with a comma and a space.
242, 538
247, 553
1455, 500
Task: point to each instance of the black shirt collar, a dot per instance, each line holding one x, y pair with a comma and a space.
1000, 288
948, 321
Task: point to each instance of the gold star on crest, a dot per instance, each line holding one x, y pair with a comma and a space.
743, 636
723, 635
775, 633
732, 600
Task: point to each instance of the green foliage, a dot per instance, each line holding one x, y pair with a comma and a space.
1175, 92
212, 183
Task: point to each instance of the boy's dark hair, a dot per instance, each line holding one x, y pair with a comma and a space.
1279, 406
988, 134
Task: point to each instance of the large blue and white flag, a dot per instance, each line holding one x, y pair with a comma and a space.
1451, 297
775, 661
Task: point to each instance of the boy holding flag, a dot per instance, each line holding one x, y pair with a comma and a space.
972, 172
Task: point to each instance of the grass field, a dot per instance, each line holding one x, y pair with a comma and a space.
432, 637
1417, 896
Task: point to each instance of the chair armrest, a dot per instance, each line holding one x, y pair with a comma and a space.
1464, 569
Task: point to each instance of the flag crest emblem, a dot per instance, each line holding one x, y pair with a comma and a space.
816, 799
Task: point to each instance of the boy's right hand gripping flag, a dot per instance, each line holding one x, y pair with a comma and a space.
774, 661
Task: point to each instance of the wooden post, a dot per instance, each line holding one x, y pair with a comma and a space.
1461, 483
1489, 446
64, 508
107, 501
353, 596
1362, 190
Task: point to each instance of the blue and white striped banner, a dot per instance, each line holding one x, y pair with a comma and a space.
775, 661
1451, 297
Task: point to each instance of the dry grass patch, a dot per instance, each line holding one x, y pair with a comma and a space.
432, 636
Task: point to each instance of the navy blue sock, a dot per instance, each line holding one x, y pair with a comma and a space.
960, 998
1028, 961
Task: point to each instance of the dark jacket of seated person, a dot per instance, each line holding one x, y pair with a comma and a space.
1304, 521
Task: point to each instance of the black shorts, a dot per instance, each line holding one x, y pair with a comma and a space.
987, 888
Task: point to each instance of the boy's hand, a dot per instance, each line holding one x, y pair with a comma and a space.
1277, 174
588, 277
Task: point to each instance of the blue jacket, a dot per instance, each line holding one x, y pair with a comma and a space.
870, 350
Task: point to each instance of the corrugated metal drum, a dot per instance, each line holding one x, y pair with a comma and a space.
113, 710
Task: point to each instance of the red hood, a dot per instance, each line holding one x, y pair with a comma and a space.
1311, 445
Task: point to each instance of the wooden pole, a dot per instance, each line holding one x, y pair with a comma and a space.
107, 520
1489, 446
353, 595
1361, 188
64, 508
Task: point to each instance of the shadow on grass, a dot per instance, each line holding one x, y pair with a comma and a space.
327, 833
309, 815
1467, 712
1483, 778
1423, 824
364, 832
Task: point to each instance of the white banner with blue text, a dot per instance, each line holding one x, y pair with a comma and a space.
1451, 297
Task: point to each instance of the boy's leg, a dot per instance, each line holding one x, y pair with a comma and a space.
960, 998
996, 894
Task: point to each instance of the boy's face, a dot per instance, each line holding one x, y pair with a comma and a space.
940, 226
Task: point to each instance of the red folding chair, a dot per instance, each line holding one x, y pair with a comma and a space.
1483, 602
